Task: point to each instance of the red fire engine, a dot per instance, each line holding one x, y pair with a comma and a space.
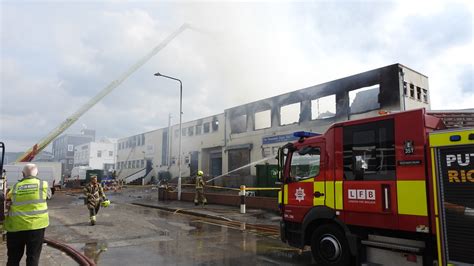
392, 190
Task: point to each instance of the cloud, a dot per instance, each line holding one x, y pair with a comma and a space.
63, 54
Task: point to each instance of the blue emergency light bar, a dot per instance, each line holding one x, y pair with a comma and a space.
305, 134
455, 138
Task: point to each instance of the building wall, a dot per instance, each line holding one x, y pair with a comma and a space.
100, 154
88, 155
131, 154
355, 97
63, 149
155, 144
82, 155
415, 93
253, 131
203, 143
455, 118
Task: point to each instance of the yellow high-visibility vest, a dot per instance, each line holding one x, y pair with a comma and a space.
28, 210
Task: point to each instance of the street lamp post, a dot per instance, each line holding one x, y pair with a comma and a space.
180, 127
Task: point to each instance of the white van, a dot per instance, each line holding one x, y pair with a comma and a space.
46, 173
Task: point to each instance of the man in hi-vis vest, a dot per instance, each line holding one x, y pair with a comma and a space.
27, 217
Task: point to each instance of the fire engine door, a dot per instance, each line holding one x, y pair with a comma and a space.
369, 184
305, 183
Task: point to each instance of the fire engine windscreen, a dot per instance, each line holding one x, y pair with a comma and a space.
305, 163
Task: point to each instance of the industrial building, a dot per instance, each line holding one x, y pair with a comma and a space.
97, 155
63, 148
249, 132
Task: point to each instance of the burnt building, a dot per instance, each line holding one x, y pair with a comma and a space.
257, 129
251, 132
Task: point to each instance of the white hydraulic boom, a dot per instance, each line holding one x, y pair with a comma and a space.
32, 152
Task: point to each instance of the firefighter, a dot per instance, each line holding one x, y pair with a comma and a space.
199, 196
95, 197
27, 217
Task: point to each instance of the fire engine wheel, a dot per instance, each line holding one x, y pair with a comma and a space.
329, 246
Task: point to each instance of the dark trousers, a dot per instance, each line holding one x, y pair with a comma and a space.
94, 211
16, 242
2, 202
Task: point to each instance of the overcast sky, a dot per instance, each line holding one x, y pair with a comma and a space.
57, 55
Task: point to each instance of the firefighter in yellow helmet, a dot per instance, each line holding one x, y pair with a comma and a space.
95, 197
199, 196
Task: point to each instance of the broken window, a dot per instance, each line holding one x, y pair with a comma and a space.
238, 124
418, 93
425, 96
215, 124
198, 129
412, 90
324, 107
405, 88
237, 159
190, 131
364, 99
290, 114
206, 127
263, 119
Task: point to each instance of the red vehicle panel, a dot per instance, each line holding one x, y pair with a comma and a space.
361, 196
301, 194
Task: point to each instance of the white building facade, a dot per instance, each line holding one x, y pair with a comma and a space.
97, 155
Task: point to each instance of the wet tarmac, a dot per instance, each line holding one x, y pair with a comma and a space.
126, 234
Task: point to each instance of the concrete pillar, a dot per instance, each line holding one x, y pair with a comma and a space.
250, 121
275, 116
305, 113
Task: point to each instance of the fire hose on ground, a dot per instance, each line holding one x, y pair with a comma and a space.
77, 256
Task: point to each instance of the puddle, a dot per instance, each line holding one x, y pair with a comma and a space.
94, 249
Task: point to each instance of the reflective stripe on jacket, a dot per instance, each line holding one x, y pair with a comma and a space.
28, 210
94, 194
199, 182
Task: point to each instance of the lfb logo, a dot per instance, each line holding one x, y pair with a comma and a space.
361, 194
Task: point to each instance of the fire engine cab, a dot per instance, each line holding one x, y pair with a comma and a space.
396, 189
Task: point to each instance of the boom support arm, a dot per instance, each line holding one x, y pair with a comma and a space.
30, 154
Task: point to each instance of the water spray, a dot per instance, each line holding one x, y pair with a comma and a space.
242, 167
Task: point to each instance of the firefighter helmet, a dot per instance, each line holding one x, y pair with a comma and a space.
105, 203
200, 173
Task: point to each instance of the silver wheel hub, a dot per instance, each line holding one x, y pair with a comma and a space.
330, 247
